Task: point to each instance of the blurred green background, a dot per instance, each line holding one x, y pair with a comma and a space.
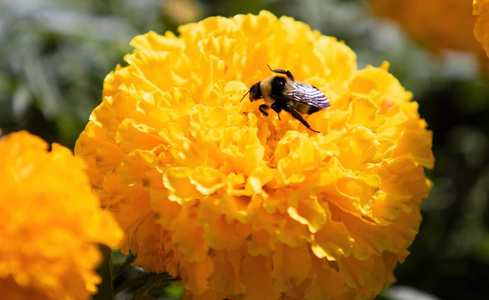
54, 56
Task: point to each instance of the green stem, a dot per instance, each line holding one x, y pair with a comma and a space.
118, 270
104, 270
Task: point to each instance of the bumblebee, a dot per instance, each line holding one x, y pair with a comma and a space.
284, 93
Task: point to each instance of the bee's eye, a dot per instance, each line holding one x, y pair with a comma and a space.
278, 83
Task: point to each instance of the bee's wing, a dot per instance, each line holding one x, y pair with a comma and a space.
308, 94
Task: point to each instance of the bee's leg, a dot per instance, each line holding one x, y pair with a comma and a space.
298, 116
280, 71
262, 108
277, 106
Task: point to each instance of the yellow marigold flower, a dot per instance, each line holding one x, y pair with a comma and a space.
51, 221
245, 206
481, 29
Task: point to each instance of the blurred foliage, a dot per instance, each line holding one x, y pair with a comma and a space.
55, 55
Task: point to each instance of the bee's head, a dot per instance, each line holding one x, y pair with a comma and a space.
255, 92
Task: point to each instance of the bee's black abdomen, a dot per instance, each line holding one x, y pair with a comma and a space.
312, 109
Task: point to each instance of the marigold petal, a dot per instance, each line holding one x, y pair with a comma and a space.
156, 42
291, 266
327, 284
227, 266
256, 276
219, 233
194, 275
194, 249
418, 145
332, 242
359, 149
364, 112
307, 211
293, 233
177, 181
207, 180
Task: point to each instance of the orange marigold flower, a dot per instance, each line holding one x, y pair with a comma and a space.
51, 221
481, 29
245, 206
436, 24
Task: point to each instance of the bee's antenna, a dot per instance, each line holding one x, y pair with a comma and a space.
270, 68
245, 95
